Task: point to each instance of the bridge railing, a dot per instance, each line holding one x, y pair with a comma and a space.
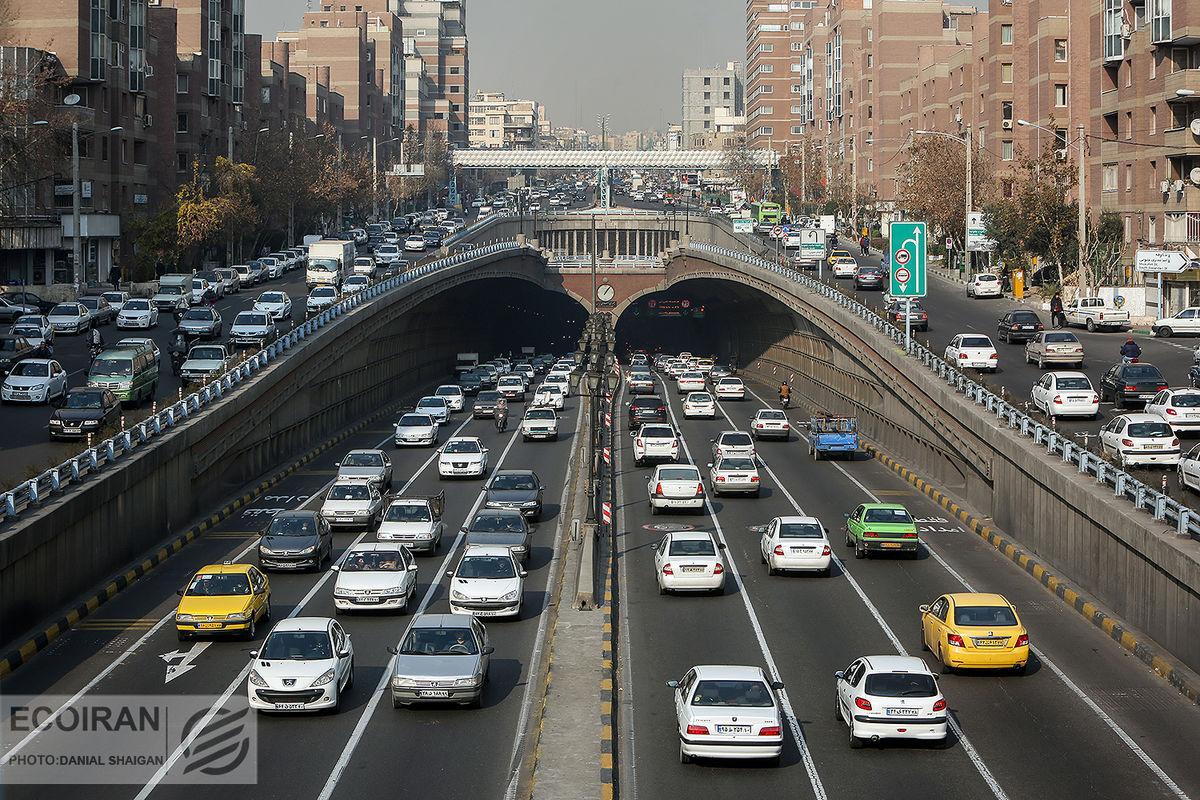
94, 459
1185, 520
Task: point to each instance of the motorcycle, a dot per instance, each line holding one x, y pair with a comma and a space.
784, 400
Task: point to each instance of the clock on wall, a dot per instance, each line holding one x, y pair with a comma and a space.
605, 292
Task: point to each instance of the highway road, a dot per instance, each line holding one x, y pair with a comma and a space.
447, 752
1086, 720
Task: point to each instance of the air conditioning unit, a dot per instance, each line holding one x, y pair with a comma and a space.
148, 120
957, 116
1006, 124
1061, 155
1126, 30
1179, 186
148, 71
1195, 126
1194, 175
1164, 186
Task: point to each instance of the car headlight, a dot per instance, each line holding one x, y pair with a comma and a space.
184, 618
91, 423
256, 679
457, 595
471, 681
307, 551
342, 593
401, 681
511, 595
242, 615
529, 504
324, 678
56, 423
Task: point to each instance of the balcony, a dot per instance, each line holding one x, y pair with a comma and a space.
1185, 80
1181, 142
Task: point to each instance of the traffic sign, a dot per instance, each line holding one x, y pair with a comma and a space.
1160, 261
784, 229
777, 231
907, 249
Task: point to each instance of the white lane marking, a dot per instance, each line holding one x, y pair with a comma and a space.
805, 754
1082, 695
556, 565
977, 760
136, 646
628, 767
364, 719
186, 660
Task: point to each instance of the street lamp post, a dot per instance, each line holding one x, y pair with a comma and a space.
1085, 278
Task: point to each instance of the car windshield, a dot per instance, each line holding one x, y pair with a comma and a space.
448, 391
893, 515
678, 474
1149, 430
984, 616
1024, 316
656, 432
65, 310
692, 547
374, 561
171, 290
356, 280
248, 318
430, 402
799, 530
324, 292
199, 313
1079, 382
439, 642
985, 277
79, 400
363, 460
112, 366
415, 421
28, 331
113, 297
462, 446
218, 584
90, 302
136, 305
691, 376
349, 491
699, 397
900, 684
539, 413
736, 463
772, 415
1186, 400
498, 522
292, 526
31, 369
270, 297
407, 512
976, 341
206, 353
1061, 337
487, 397
1143, 371
297, 646
731, 381
732, 693
514, 481
486, 567
736, 439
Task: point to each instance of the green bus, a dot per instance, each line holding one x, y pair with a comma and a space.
766, 214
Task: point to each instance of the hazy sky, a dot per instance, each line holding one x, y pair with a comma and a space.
580, 57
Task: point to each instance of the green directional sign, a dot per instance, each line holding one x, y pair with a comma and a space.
907, 260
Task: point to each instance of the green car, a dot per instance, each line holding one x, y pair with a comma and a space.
881, 527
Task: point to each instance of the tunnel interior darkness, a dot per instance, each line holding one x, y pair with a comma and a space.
732, 322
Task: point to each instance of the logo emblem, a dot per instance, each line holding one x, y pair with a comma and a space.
289, 681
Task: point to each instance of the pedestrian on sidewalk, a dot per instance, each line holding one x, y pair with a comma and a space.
114, 277
1057, 318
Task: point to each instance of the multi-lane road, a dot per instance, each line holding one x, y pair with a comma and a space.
1085, 720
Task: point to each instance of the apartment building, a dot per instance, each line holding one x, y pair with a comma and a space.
709, 92
496, 121
436, 67
768, 73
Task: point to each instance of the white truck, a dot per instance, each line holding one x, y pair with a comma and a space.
329, 262
1095, 312
465, 362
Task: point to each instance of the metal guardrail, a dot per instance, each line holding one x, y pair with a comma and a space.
37, 491
1124, 485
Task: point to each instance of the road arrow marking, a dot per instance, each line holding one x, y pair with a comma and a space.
185, 659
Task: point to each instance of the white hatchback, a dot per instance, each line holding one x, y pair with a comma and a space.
845, 268
434, 406
770, 423
488, 582
972, 350
890, 697
725, 711
137, 313
985, 284
305, 664
689, 561
549, 395
1140, 439
1179, 408
699, 404
1065, 394
795, 543
452, 394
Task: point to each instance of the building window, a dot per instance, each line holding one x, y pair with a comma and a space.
1006, 34
1108, 174
708, 81
181, 162
1006, 73
181, 123
1129, 72
1060, 94
725, 81
1160, 20
1128, 229
181, 83
1006, 110
1128, 124
870, 35
870, 60
707, 95
726, 97
1129, 177
708, 110
1153, 120
1006, 189
1060, 49
1006, 150
1114, 18
870, 165
1154, 176
1152, 234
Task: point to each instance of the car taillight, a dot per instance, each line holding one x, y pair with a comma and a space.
871, 534
784, 426
1040, 326
639, 443
939, 705
1095, 397
778, 550
954, 640
962, 355
718, 569
720, 479
667, 570
754, 479
1131, 388
994, 355
825, 550
699, 489
769, 730
697, 730
863, 703
658, 488
1127, 442
1022, 640
1015, 326
924, 316
1171, 411
1058, 399
1160, 388
911, 535
1174, 443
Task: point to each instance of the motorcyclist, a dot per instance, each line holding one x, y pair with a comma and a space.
1130, 350
785, 394
177, 350
502, 415
95, 341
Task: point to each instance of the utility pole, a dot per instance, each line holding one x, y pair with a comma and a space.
375, 174
229, 236
1084, 278
966, 224
803, 171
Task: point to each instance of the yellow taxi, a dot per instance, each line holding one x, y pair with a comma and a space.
223, 598
836, 254
974, 630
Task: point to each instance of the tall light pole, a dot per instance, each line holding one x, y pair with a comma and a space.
963, 140
1085, 278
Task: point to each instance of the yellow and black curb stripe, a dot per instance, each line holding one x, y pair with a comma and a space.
1174, 675
39, 641
607, 682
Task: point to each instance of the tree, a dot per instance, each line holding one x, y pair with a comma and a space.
803, 171
213, 205
740, 164
933, 184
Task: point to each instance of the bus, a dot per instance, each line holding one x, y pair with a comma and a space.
766, 215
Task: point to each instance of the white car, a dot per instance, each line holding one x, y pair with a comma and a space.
1140, 439
416, 429
699, 404
200, 287
34, 328
116, 300
640, 381
730, 389
549, 395
654, 442
321, 298
415, 522
689, 561
387, 253
355, 502
204, 361
845, 268
795, 543
1185, 321
1189, 469
734, 474
34, 380
305, 664
1065, 394
1179, 408
273, 266
488, 582
675, 486
727, 711
434, 406
137, 313
690, 381
277, 304
972, 350
770, 423
985, 284
890, 697
355, 283
452, 394
539, 423
463, 456
561, 380
230, 281
252, 329
375, 575
414, 244
732, 443
70, 318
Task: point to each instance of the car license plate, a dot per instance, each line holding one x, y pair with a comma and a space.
485, 613
1154, 447
902, 712
889, 544
693, 569
368, 599
433, 693
208, 625
733, 729
289, 706
799, 550
1145, 396
990, 642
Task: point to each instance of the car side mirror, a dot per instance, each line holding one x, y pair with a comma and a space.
412, 568
344, 654
776, 685
336, 567
449, 573
179, 592
839, 674
488, 650
391, 648
720, 545
254, 654
714, 441
923, 609
522, 573
673, 684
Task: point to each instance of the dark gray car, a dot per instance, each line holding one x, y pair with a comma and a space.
296, 540
442, 658
502, 527
485, 404
371, 465
203, 322
519, 489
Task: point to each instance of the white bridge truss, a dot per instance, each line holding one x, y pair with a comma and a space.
595, 159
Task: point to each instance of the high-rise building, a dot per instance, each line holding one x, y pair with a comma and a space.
496, 121
436, 67
711, 92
